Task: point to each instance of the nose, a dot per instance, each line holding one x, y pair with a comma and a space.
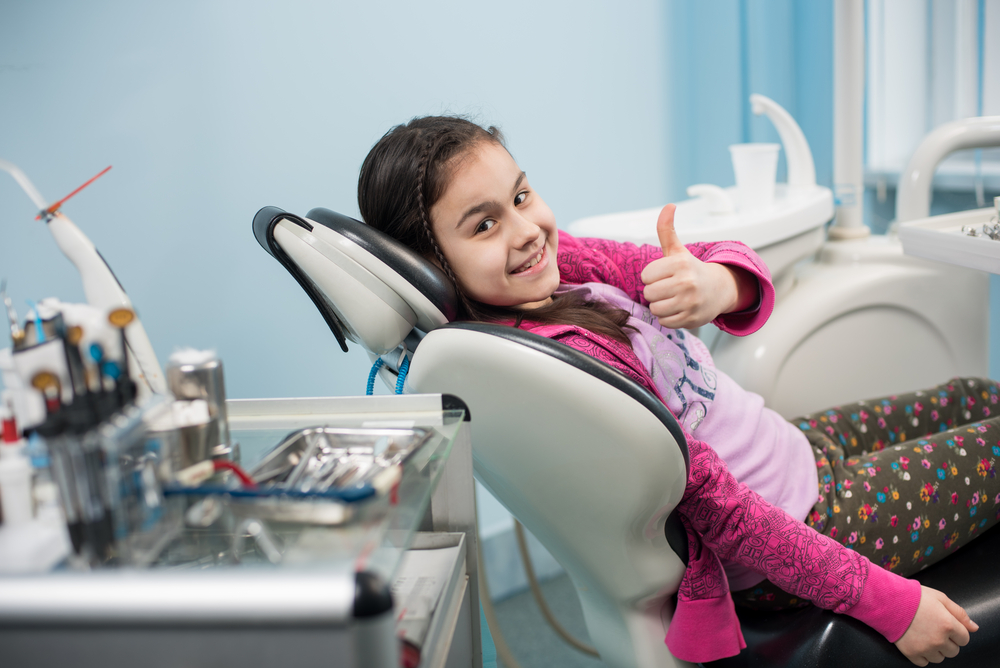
524, 231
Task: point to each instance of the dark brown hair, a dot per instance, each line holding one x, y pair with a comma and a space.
402, 177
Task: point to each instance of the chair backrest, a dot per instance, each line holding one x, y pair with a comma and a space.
589, 461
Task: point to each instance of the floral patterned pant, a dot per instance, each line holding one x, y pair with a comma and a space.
905, 480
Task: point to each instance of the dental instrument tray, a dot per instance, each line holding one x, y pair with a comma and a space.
352, 463
317, 475
947, 238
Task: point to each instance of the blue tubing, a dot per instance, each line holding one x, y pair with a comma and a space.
401, 378
371, 376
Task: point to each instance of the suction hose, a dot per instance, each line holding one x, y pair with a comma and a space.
536, 590
503, 649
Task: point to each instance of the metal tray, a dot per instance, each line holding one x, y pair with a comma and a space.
317, 459
318, 474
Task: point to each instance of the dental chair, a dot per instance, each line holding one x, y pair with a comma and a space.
585, 458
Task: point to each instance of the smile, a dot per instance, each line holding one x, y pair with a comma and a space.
530, 263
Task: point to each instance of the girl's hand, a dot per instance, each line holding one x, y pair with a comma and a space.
683, 291
937, 631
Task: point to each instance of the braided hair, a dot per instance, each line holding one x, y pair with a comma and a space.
408, 170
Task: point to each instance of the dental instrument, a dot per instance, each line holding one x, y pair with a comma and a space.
74, 358
51, 209
100, 285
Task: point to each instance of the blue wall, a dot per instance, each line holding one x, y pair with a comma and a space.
718, 54
210, 110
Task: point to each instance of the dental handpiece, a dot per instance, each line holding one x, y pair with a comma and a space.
304, 461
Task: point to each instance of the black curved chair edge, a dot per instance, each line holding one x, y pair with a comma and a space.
263, 229
814, 638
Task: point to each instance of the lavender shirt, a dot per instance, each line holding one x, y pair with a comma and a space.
761, 449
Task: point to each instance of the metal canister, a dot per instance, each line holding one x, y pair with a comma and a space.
197, 374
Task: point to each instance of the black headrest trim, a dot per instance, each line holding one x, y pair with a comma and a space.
263, 229
590, 365
416, 270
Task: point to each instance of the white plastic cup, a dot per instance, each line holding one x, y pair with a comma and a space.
756, 169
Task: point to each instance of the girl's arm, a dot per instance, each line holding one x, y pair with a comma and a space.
622, 264
738, 525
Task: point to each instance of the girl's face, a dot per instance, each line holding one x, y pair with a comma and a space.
498, 235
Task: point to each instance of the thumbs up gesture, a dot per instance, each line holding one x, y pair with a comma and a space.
683, 291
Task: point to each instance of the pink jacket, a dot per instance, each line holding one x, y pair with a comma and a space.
719, 512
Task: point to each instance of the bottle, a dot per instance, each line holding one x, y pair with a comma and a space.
15, 475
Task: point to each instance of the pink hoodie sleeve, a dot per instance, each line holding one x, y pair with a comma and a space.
620, 264
738, 525
734, 522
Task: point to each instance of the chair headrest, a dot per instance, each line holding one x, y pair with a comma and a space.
368, 287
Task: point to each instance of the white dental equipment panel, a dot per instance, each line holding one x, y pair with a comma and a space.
946, 239
853, 319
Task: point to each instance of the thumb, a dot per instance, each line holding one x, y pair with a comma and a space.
960, 614
665, 231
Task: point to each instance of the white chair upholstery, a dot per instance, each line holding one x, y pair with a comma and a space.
585, 466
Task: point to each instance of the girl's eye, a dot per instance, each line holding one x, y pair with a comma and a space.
520, 197
485, 226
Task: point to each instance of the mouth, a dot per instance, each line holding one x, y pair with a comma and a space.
530, 263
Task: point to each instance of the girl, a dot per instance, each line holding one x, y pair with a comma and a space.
449, 189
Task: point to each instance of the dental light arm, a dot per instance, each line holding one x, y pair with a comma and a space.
913, 199
100, 286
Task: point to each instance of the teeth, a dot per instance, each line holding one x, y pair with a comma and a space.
535, 260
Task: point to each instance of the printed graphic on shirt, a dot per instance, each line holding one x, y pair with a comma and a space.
673, 358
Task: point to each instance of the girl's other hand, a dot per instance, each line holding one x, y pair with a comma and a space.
937, 631
683, 291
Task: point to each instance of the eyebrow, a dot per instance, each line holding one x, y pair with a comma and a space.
486, 206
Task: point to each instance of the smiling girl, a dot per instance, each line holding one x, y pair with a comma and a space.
450, 190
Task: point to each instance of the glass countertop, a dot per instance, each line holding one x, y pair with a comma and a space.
368, 535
